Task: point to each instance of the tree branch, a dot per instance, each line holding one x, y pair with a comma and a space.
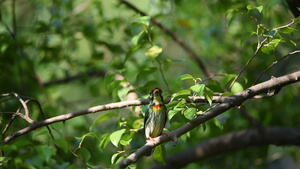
188, 50
225, 104
232, 142
95, 109
232, 101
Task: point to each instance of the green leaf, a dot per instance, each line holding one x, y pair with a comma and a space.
125, 142
153, 52
208, 94
62, 144
288, 30
190, 113
131, 51
228, 79
116, 136
109, 78
270, 47
198, 89
122, 93
135, 39
145, 20
232, 19
87, 135
218, 124
102, 118
292, 42
181, 94
104, 140
45, 152
236, 88
171, 114
4, 160
180, 104
185, 77
271, 33
171, 105
86, 155
231, 11
138, 123
297, 19
251, 7
260, 8
159, 154
114, 157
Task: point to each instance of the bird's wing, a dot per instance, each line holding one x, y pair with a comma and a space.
166, 113
146, 117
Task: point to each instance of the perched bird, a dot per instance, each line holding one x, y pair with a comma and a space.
155, 116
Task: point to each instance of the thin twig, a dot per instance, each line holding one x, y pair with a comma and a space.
274, 63
23, 104
43, 115
259, 45
163, 76
287, 25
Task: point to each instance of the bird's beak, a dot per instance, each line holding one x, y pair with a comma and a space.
156, 93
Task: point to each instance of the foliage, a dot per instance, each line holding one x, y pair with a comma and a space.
70, 55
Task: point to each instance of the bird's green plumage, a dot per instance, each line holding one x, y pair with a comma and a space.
156, 115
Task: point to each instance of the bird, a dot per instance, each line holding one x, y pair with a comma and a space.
155, 116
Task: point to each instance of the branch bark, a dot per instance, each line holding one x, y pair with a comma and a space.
94, 109
232, 101
232, 142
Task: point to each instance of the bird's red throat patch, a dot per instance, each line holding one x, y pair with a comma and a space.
157, 106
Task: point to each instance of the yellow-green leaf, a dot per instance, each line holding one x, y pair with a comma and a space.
208, 94
153, 52
190, 113
116, 136
198, 89
236, 88
185, 77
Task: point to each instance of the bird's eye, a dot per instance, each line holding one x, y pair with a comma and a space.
151, 91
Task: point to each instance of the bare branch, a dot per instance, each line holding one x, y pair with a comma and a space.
24, 105
232, 101
233, 142
118, 105
226, 104
287, 25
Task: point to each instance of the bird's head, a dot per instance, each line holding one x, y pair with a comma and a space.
155, 94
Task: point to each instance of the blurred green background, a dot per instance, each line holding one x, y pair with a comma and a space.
72, 54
